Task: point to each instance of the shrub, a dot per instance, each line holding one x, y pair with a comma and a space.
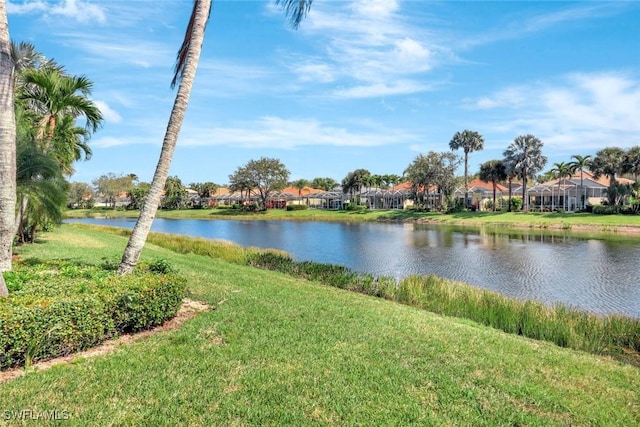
297, 207
58, 308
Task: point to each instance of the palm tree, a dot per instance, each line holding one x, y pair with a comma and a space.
494, 172
469, 141
70, 144
609, 161
39, 180
632, 162
299, 185
561, 170
524, 157
579, 164
54, 95
185, 70
7, 149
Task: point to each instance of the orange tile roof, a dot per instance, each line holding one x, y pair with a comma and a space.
478, 183
305, 191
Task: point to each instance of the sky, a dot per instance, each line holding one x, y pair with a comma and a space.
360, 84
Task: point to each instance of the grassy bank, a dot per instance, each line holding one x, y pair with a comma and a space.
284, 351
579, 222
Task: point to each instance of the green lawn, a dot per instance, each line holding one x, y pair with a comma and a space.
281, 351
565, 221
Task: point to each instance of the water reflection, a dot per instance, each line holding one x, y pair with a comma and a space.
596, 275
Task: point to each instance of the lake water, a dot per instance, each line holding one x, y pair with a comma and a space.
600, 276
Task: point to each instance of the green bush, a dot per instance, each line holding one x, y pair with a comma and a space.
297, 207
59, 308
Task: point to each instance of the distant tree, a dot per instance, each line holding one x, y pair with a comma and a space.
494, 172
138, 195
241, 181
205, 189
354, 182
469, 141
325, 184
545, 177
446, 180
524, 157
580, 163
80, 195
434, 169
510, 170
631, 162
110, 186
265, 174
175, 194
299, 185
561, 170
391, 180
609, 161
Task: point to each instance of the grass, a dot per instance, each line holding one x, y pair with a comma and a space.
283, 351
580, 222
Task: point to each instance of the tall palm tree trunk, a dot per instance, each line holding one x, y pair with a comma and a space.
193, 44
7, 150
466, 178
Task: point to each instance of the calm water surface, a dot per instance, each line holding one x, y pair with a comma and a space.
596, 275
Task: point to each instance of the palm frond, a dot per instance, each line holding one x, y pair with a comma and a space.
295, 10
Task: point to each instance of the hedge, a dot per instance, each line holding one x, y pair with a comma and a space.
58, 308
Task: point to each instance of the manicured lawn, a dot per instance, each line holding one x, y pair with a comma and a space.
282, 351
566, 221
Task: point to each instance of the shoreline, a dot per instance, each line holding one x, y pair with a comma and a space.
602, 225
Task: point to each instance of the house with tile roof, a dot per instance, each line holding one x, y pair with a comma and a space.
571, 193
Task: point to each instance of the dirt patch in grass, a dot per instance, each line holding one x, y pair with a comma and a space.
189, 309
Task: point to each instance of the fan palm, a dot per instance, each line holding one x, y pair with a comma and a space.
524, 157
469, 141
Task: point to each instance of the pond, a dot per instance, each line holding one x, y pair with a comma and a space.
598, 275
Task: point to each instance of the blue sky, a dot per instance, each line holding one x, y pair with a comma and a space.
361, 84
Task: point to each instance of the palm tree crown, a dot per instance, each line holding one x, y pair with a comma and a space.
54, 95
469, 141
524, 158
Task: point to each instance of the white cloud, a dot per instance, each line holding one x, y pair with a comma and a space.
585, 111
137, 52
276, 132
78, 10
399, 87
315, 72
108, 113
524, 24
369, 49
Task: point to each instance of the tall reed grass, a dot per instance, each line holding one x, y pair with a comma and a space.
618, 336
